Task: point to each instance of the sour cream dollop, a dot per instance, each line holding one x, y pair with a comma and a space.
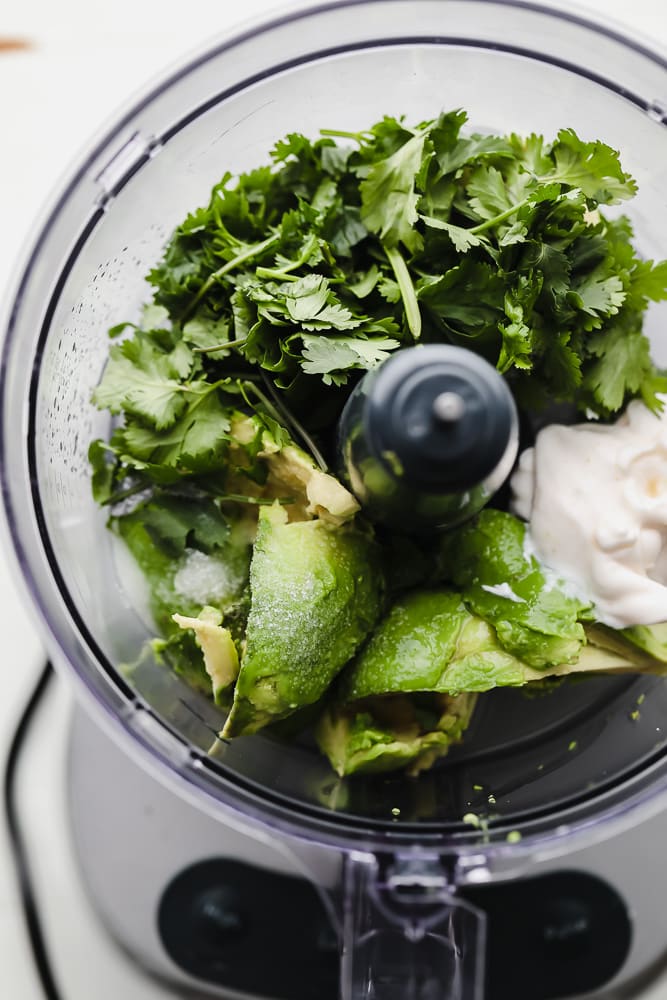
595, 498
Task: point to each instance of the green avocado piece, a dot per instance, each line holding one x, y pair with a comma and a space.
650, 638
533, 615
430, 641
394, 732
410, 647
221, 660
644, 645
316, 592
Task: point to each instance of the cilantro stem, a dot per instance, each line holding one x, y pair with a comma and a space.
336, 133
270, 272
294, 424
240, 498
407, 290
498, 219
222, 346
130, 491
276, 409
241, 258
283, 273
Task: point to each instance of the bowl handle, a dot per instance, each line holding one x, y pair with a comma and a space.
406, 935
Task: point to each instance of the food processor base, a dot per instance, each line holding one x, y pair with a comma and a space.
204, 904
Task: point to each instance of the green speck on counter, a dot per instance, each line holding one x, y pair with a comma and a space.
635, 716
395, 811
540, 767
477, 788
472, 819
513, 837
573, 745
641, 699
491, 800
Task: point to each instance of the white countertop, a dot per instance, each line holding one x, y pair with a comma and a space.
83, 61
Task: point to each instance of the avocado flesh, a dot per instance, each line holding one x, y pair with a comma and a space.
410, 693
286, 472
392, 732
316, 592
645, 646
221, 660
429, 641
532, 615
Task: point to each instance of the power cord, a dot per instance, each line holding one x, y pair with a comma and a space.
17, 843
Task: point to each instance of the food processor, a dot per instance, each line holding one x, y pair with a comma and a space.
249, 869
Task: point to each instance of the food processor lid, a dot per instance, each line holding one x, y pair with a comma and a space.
545, 767
444, 412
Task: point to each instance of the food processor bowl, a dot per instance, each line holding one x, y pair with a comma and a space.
568, 765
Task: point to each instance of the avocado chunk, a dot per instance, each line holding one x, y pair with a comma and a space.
645, 646
316, 592
392, 732
429, 641
652, 639
534, 616
270, 465
221, 660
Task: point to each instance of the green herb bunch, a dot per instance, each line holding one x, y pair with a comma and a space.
301, 274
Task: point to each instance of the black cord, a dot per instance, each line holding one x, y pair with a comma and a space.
17, 843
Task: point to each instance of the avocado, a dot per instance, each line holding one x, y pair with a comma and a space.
393, 732
289, 472
221, 660
644, 645
316, 592
429, 641
534, 616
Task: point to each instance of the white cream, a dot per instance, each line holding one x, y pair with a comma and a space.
596, 500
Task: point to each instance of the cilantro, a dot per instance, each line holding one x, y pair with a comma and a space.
494, 242
144, 381
332, 357
174, 522
306, 271
100, 456
389, 196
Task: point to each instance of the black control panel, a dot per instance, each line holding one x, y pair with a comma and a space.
258, 932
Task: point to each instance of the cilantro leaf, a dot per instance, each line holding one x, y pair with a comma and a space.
622, 365
471, 150
325, 356
389, 196
141, 380
463, 239
311, 302
195, 442
103, 462
598, 294
174, 522
487, 193
206, 332
592, 166
648, 281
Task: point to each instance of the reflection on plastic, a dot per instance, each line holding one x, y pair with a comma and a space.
406, 936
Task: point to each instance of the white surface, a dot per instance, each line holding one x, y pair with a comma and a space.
86, 59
